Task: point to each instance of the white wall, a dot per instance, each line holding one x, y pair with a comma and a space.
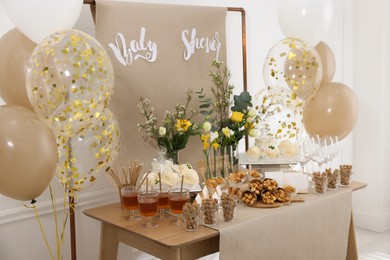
20, 237
371, 139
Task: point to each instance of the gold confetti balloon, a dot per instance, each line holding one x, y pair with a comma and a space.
283, 115
82, 159
70, 81
295, 65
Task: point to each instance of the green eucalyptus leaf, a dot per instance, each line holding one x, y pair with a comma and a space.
245, 96
235, 108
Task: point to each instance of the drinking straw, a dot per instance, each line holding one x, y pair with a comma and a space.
147, 185
115, 178
125, 176
139, 186
159, 176
181, 185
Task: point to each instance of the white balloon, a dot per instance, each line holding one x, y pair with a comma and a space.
5, 22
39, 18
306, 19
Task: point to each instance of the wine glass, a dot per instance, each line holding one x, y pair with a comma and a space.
148, 206
322, 150
334, 150
177, 198
130, 202
305, 150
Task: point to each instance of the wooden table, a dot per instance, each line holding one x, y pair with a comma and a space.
168, 241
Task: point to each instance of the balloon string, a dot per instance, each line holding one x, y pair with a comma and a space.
59, 239
54, 208
65, 216
70, 164
43, 232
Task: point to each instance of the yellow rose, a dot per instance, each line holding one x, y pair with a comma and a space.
236, 116
226, 131
182, 125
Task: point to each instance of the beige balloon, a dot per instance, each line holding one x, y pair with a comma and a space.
28, 153
333, 111
328, 62
15, 52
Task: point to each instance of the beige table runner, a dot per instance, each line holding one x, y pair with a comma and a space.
315, 229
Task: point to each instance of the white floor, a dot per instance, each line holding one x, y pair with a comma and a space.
372, 245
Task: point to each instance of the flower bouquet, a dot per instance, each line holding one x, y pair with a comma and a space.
227, 122
173, 131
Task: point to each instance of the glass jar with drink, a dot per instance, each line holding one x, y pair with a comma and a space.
130, 201
177, 198
163, 202
148, 207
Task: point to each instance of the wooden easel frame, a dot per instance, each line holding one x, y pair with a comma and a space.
244, 62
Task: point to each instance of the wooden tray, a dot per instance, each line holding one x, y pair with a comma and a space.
260, 204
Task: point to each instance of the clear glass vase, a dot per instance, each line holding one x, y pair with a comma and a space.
221, 161
173, 155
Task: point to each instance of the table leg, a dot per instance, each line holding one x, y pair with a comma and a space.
352, 253
108, 243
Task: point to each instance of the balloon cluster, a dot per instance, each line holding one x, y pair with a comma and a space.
68, 82
329, 108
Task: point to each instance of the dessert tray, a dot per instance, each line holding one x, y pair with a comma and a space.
248, 160
260, 204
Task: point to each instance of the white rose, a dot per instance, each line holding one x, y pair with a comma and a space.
169, 177
190, 176
184, 166
213, 136
152, 179
207, 126
277, 152
254, 151
249, 119
175, 168
287, 148
162, 131
272, 152
253, 132
252, 112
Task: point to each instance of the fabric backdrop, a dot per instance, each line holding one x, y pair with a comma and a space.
158, 51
